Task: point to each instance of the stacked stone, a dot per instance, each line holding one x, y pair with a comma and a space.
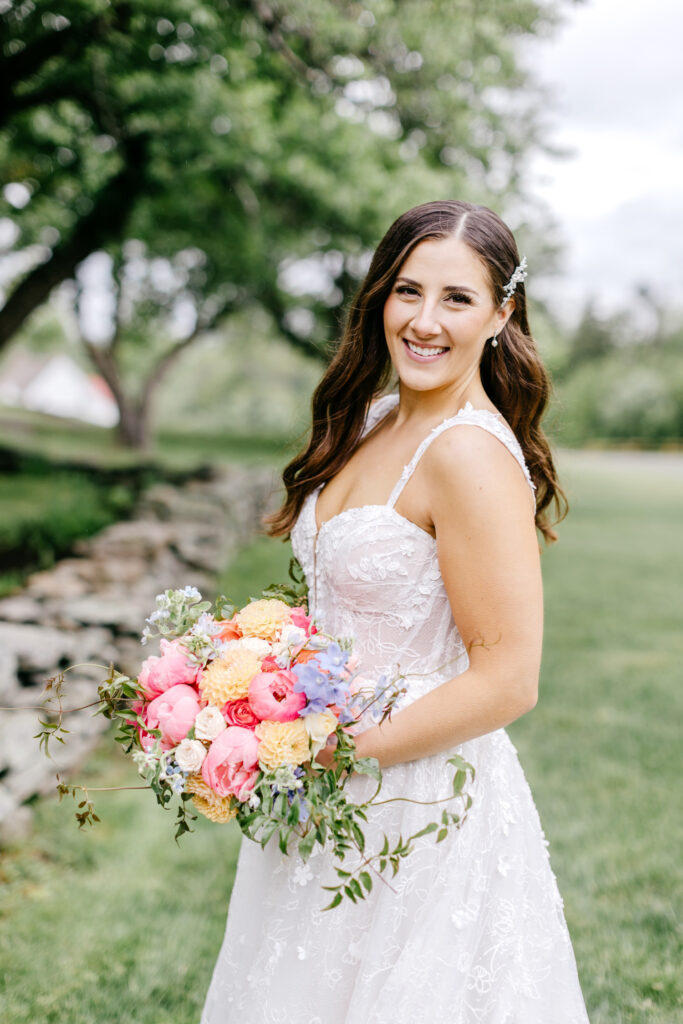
91, 607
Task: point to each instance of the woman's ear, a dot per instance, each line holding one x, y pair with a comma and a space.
504, 312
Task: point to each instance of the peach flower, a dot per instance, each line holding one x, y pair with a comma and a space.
282, 743
264, 618
228, 677
216, 808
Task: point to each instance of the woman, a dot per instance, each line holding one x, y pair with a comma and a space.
413, 516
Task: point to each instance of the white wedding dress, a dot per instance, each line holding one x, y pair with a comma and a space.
472, 930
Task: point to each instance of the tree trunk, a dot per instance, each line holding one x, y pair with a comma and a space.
105, 221
133, 428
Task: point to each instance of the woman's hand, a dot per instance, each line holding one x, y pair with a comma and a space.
325, 755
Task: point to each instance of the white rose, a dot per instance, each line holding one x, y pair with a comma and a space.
209, 723
189, 755
319, 725
291, 636
261, 648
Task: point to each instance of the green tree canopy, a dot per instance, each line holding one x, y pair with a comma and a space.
231, 139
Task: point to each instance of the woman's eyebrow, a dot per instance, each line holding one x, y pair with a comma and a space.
447, 288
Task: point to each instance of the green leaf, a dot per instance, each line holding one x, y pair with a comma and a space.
336, 900
355, 885
306, 845
350, 893
366, 880
443, 832
431, 827
358, 834
293, 816
369, 766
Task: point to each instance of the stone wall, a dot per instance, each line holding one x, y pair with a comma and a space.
91, 607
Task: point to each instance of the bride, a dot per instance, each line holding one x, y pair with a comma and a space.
414, 515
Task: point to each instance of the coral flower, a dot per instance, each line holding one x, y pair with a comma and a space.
272, 696
231, 765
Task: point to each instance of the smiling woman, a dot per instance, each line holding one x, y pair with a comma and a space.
426, 318
413, 517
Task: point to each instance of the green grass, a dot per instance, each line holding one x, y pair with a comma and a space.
42, 514
120, 924
264, 562
602, 747
61, 439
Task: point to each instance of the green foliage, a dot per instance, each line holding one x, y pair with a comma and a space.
619, 384
42, 515
207, 146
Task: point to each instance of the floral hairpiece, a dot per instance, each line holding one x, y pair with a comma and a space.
519, 274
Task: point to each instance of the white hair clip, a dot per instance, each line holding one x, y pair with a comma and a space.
519, 274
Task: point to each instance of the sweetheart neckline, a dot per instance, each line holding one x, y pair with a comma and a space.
362, 508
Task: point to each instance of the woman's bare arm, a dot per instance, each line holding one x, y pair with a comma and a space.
489, 559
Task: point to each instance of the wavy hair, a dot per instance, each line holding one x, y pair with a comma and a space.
512, 373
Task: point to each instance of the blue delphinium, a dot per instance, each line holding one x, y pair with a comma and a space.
322, 680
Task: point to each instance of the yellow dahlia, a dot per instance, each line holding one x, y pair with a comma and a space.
210, 804
228, 677
282, 743
264, 618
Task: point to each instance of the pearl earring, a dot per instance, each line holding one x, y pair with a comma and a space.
494, 342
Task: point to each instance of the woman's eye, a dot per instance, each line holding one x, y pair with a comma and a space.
460, 297
405, 289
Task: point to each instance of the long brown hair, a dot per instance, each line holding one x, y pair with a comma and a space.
512, 373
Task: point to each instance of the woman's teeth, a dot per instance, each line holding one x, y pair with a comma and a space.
425, 350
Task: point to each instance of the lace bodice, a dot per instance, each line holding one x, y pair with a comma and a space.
374, 576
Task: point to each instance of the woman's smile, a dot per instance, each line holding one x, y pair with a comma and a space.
424, 353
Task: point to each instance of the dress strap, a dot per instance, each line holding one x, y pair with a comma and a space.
469, 416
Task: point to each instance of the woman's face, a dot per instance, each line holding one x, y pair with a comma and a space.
439, 315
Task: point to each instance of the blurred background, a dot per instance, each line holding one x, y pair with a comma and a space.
190, 194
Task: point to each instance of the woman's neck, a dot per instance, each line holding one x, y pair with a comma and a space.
433, 406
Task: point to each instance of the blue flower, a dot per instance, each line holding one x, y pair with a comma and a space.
320, 688
333, 659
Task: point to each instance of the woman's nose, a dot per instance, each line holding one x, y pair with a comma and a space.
426, 321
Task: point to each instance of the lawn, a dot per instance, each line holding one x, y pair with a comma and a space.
120, 924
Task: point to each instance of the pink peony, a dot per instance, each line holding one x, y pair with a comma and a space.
302, 620
231, 765
159, 674
272, 696
173, 713
239, 712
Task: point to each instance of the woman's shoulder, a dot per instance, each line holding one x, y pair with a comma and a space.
473, 452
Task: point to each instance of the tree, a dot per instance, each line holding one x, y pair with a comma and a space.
254, 133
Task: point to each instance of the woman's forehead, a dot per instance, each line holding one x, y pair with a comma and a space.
446, 261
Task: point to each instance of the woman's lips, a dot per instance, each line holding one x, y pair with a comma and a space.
427, 353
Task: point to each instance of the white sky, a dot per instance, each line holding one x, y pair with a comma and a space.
615, 71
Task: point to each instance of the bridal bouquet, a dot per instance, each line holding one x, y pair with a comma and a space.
231, 715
